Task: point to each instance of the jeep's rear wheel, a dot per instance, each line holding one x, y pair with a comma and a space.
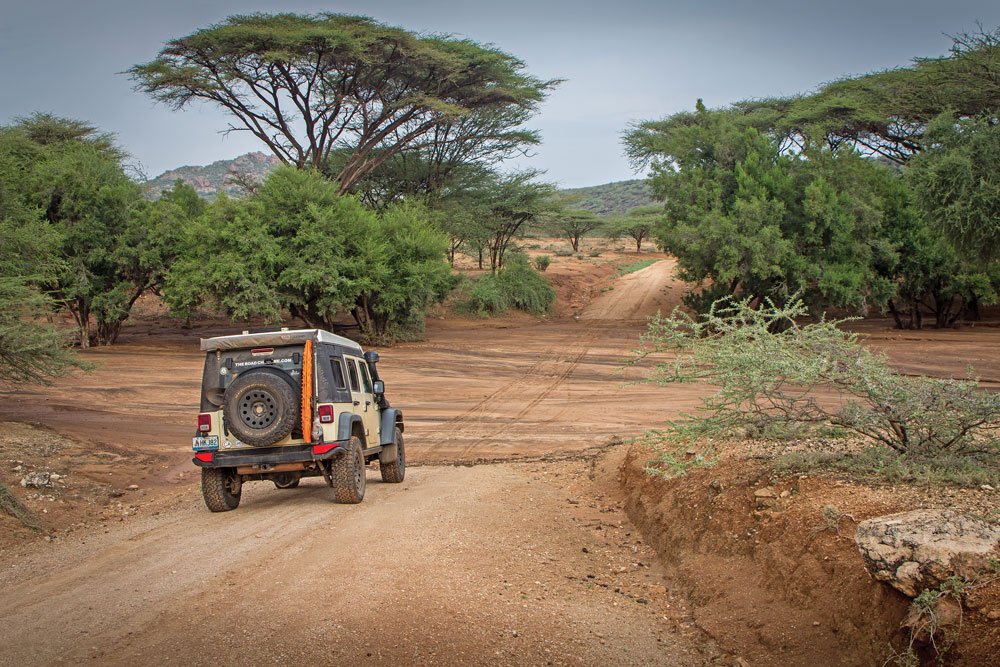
394, 471
260, 408
221, 488
348, 471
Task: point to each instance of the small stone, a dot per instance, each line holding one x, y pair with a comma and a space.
133, 487
55, 477
815, 624
766, 492
786, 493
514, 633
986, 487
585, 550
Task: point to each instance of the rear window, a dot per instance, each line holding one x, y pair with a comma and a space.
338, 373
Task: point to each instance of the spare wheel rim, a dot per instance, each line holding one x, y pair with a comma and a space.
258, 409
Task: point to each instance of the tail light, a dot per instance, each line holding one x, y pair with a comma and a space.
205, 457
204, 423
319, 450
325, 414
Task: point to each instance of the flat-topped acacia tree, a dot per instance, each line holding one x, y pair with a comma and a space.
307, 85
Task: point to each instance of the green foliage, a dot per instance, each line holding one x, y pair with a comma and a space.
30, 352
108, 244
768, 369
298, 245
542, 262
957, 182
515, 286
745, 217
884, 466
310, 85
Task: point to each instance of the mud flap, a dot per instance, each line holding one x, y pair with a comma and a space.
388, 453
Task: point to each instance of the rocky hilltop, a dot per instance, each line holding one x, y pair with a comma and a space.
214, 178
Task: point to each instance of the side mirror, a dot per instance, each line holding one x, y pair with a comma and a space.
378, 387
371, 357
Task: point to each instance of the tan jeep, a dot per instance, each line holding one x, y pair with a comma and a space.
283, 405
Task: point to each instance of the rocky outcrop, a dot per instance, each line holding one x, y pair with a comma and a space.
919, 550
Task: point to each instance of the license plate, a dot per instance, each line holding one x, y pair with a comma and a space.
199, 444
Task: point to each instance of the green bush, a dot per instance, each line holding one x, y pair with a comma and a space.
516, 286
769, 371
542, 262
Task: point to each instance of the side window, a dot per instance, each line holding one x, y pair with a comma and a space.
364, 378
338, 373
352, 371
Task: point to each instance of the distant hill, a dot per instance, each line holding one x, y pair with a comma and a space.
611, 198
212, 179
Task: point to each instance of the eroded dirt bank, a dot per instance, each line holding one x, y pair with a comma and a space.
783, 584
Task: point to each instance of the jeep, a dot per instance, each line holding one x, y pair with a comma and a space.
287, 404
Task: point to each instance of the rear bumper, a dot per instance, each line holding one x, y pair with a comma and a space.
268, 455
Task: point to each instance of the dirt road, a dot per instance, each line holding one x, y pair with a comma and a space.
500, 564
528, 562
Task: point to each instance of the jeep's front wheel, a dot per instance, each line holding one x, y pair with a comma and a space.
349, 473
395, 470
221, 488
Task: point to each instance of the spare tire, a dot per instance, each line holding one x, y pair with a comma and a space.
260, 407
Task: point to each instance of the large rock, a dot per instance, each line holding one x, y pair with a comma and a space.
914, 551
37, 480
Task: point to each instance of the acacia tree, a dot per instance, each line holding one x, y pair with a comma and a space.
511, 202
309, 85
638, 223
574, 224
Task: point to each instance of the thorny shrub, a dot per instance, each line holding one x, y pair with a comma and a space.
777, 377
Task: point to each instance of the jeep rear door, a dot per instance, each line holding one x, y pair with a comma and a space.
363, 397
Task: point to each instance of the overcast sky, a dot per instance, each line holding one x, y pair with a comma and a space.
624, 61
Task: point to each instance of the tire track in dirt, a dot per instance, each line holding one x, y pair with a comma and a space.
579, 349
633, 296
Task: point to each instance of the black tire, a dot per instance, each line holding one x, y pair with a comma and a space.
288, 480
348, 472
394, 471
217, 486
260, 408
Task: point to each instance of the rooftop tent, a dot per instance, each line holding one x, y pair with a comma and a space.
272, 338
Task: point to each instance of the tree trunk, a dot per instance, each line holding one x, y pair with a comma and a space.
895, 315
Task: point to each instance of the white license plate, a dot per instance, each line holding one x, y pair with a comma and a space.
202, 443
